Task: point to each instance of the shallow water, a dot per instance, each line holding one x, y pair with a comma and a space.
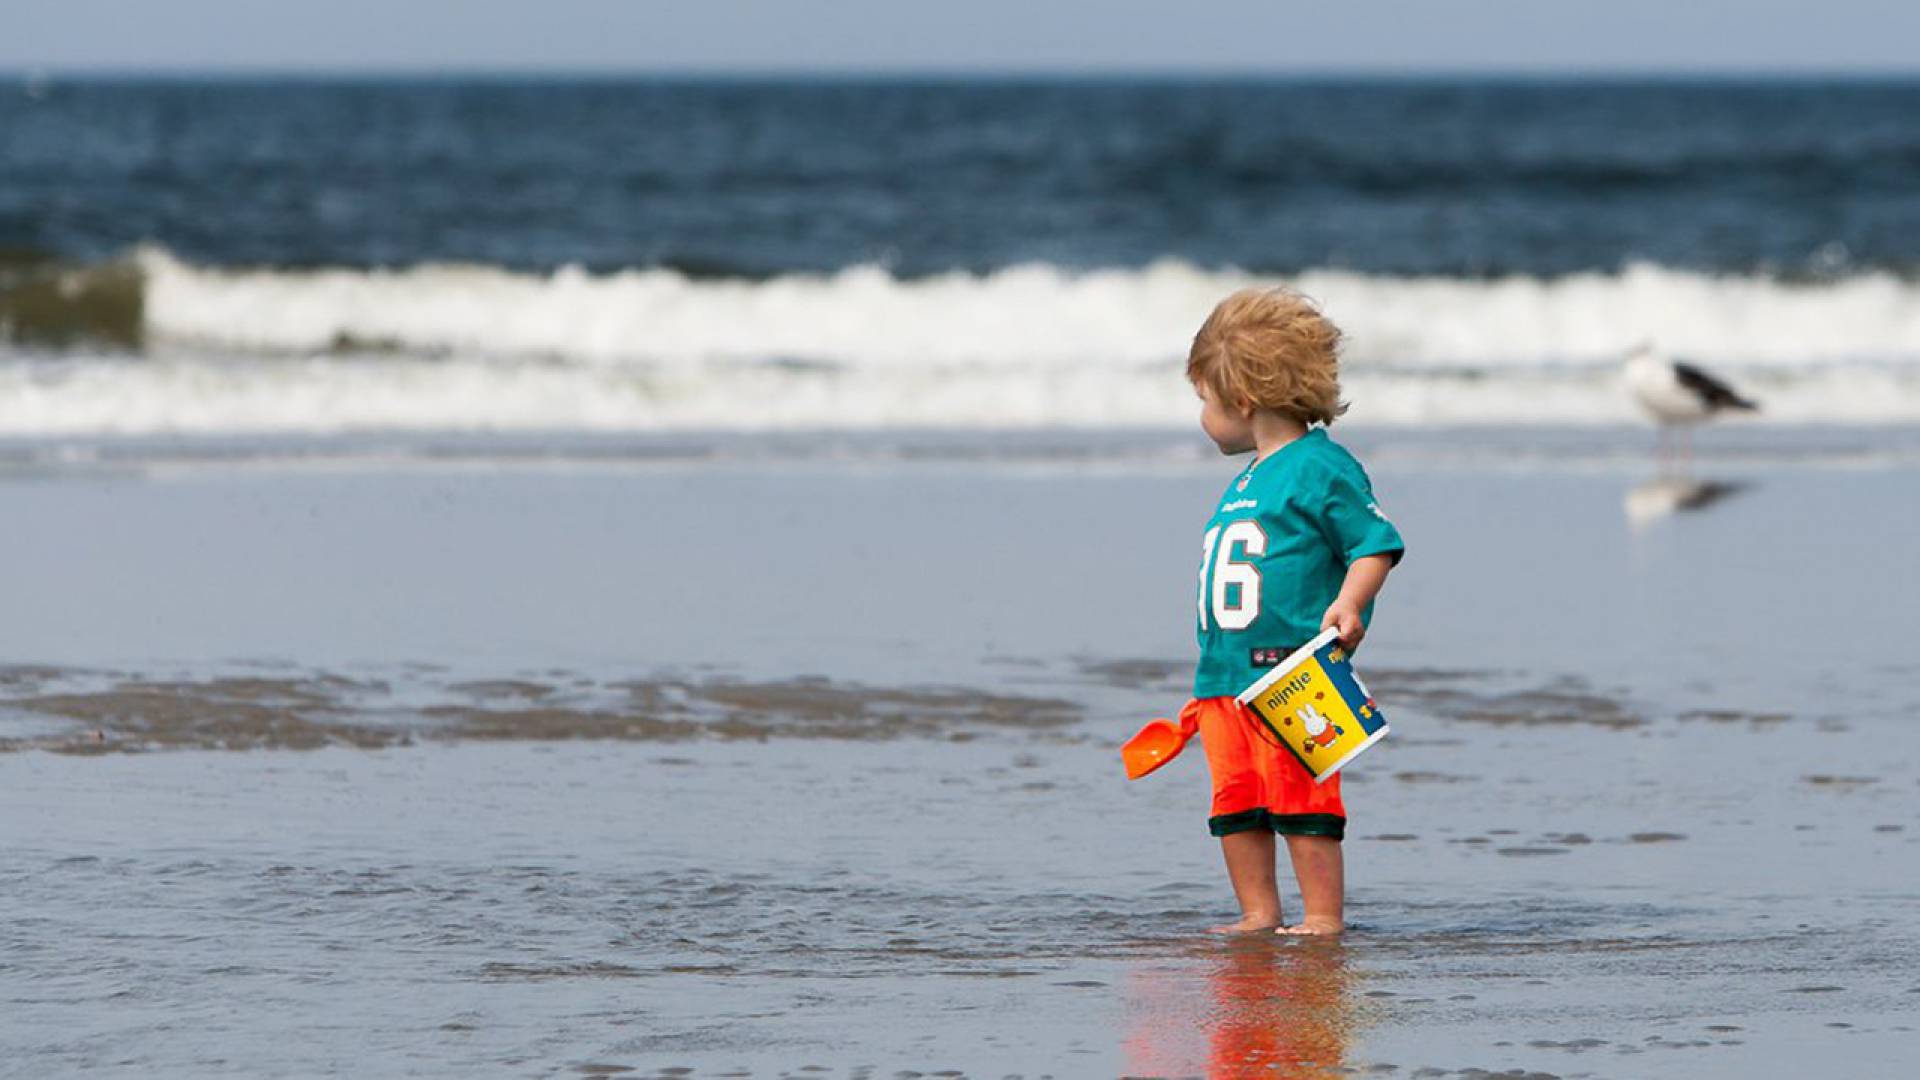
990, 906
606, 779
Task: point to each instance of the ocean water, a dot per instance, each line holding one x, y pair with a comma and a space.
207, 259
648, 578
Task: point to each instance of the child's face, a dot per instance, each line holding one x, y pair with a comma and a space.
1230, 428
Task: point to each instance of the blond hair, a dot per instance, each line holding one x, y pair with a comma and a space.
1270, 349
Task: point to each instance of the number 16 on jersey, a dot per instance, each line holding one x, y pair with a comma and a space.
1230, 575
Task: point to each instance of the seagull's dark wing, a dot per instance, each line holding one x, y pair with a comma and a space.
1716, 394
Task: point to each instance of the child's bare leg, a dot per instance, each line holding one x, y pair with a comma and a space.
1250, 867
1321, 870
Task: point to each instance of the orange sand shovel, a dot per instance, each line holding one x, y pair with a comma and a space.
1156, 744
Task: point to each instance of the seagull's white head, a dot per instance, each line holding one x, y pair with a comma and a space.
1645, 361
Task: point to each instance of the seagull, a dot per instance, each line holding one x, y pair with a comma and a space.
1677, 394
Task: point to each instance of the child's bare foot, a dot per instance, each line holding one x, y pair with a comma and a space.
1248, 924
1314, 926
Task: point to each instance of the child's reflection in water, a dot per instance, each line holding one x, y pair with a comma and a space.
1257, 1006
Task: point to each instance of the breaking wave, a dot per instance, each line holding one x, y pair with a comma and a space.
153, 344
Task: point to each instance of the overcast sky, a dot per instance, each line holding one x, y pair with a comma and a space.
1276, 36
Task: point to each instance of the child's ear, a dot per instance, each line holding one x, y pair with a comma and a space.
1246, 408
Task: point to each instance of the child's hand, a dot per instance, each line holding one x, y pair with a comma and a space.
1345, 617
1364, 578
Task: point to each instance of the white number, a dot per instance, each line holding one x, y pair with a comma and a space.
1206, 567
1232, 609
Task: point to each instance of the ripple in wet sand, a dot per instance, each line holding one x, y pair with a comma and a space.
1136, 673
496, 972
307, 712
1843, 783
1734, 716
235, 713
1427, 777
1464, 697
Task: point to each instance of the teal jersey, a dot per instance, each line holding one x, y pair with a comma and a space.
1277, 552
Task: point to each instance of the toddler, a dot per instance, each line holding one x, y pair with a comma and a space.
1297, 544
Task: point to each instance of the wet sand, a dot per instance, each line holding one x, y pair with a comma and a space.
992, 907
659, 768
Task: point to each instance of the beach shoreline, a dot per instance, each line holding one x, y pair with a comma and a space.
1648, 843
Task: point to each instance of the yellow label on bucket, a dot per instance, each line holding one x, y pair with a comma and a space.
1317, 707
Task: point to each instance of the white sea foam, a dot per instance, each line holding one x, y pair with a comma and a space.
78, 397
482, 348
1023, 315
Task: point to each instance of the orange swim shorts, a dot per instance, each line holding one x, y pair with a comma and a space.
1257, 784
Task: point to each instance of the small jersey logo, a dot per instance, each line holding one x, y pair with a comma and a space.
1267, 657
1242, 485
